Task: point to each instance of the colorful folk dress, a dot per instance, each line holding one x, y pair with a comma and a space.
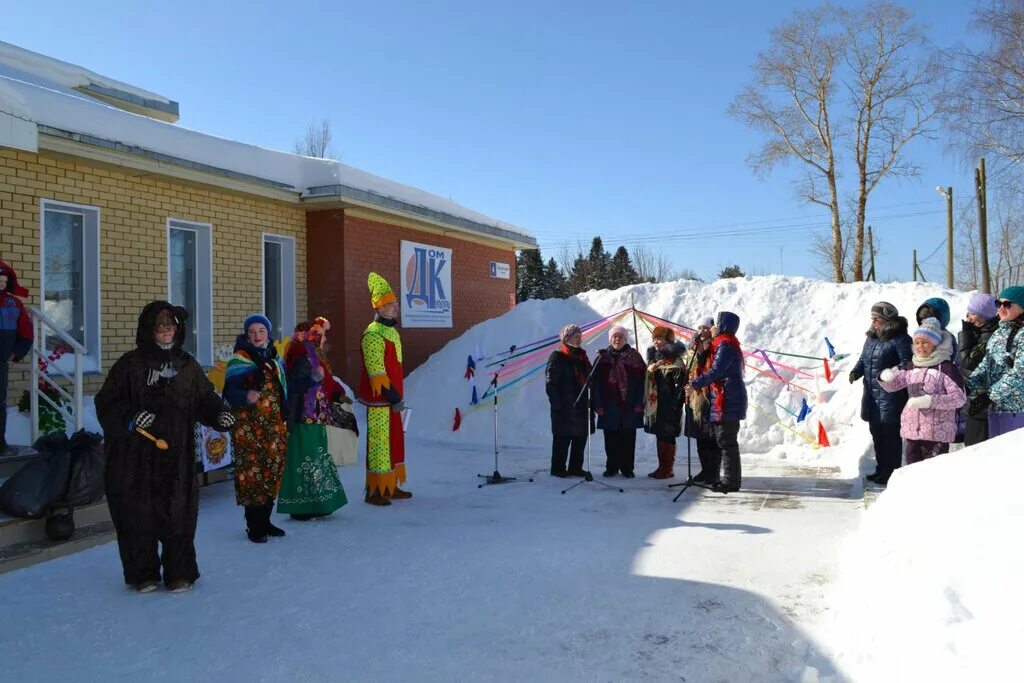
261, 434
311, 485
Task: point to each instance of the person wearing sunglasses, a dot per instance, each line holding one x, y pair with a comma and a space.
998, 382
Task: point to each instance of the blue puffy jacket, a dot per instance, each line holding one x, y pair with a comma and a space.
725, 376
890, 347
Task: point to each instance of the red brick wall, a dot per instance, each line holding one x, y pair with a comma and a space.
343, 249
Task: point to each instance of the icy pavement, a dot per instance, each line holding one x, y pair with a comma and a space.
512, 582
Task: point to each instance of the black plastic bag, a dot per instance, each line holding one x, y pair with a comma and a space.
86, 482
41, 482
343, 418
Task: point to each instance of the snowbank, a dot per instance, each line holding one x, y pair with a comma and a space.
931, 584
778, 313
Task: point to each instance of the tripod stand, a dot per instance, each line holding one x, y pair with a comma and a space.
689, 472
496, 478
589, 478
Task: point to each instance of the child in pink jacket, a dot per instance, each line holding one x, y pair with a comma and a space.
928, 422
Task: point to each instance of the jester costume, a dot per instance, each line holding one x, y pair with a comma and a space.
380, 390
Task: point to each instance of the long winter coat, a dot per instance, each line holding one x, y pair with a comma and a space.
938, 422
698, 425
616, 411
1001, 371
151, 492
973, 343
724, 375
564, 378
665, 386
890, 347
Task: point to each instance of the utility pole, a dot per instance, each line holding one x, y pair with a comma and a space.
980, 191
915, 265
948, 194
871, 254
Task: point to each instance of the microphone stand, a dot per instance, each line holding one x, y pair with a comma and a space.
687, 411
589, 478
496, 478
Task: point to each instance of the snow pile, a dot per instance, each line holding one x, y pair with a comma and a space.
931, 584
787, 314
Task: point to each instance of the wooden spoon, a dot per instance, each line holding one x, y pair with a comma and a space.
160, 443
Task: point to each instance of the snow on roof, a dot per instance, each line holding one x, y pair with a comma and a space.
50, 102
47, 71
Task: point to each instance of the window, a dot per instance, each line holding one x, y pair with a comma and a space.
279, 284
190, 283
70, 272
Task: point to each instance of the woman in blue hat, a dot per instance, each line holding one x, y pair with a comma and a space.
256, 388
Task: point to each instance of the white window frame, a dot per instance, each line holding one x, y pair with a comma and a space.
202, 317
91, 313
287, 278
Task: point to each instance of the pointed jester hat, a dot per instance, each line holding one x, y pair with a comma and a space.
380, 291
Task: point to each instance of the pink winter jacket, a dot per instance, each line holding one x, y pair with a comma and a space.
937, 423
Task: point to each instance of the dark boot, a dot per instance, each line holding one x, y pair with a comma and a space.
666, 462
272, 530
377, 499
255, 527
399, 494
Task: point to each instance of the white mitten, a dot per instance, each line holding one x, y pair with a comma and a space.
888, 375
920, 402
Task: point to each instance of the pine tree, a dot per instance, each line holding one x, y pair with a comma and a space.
579, 279
555, 285
621, 270
529, 275
731, 271
599, 262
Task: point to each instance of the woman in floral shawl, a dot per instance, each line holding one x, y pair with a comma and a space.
255, 386
310, 487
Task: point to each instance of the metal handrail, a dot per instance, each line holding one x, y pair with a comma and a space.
40, 324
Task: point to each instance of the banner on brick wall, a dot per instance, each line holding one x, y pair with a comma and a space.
426, 285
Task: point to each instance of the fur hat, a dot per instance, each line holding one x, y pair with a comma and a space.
708, 322
617, 329
662, 332
256, 319
931, 329
1014, 294
380, 291
885, 310
983, 305
568, 331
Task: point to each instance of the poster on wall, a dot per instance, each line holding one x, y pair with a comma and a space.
426, 285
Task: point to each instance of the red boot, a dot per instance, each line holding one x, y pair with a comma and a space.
666, 460
658, 473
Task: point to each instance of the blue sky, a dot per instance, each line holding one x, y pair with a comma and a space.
568, 118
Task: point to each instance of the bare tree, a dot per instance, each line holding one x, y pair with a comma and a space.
877, 57
789, 100
316, 141
892, 97
985, 89
650, 265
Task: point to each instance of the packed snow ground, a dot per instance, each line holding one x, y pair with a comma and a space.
520, 582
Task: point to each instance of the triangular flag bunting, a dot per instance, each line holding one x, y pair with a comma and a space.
804, 410
474, 400
458, 421
822, 436
765, 356
828, 372
470, 367
831, 349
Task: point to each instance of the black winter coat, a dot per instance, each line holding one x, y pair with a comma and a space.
151, 492
890, 347
973, 343
564, 378
617, 413
670, 383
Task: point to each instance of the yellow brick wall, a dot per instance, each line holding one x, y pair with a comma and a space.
133, 242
